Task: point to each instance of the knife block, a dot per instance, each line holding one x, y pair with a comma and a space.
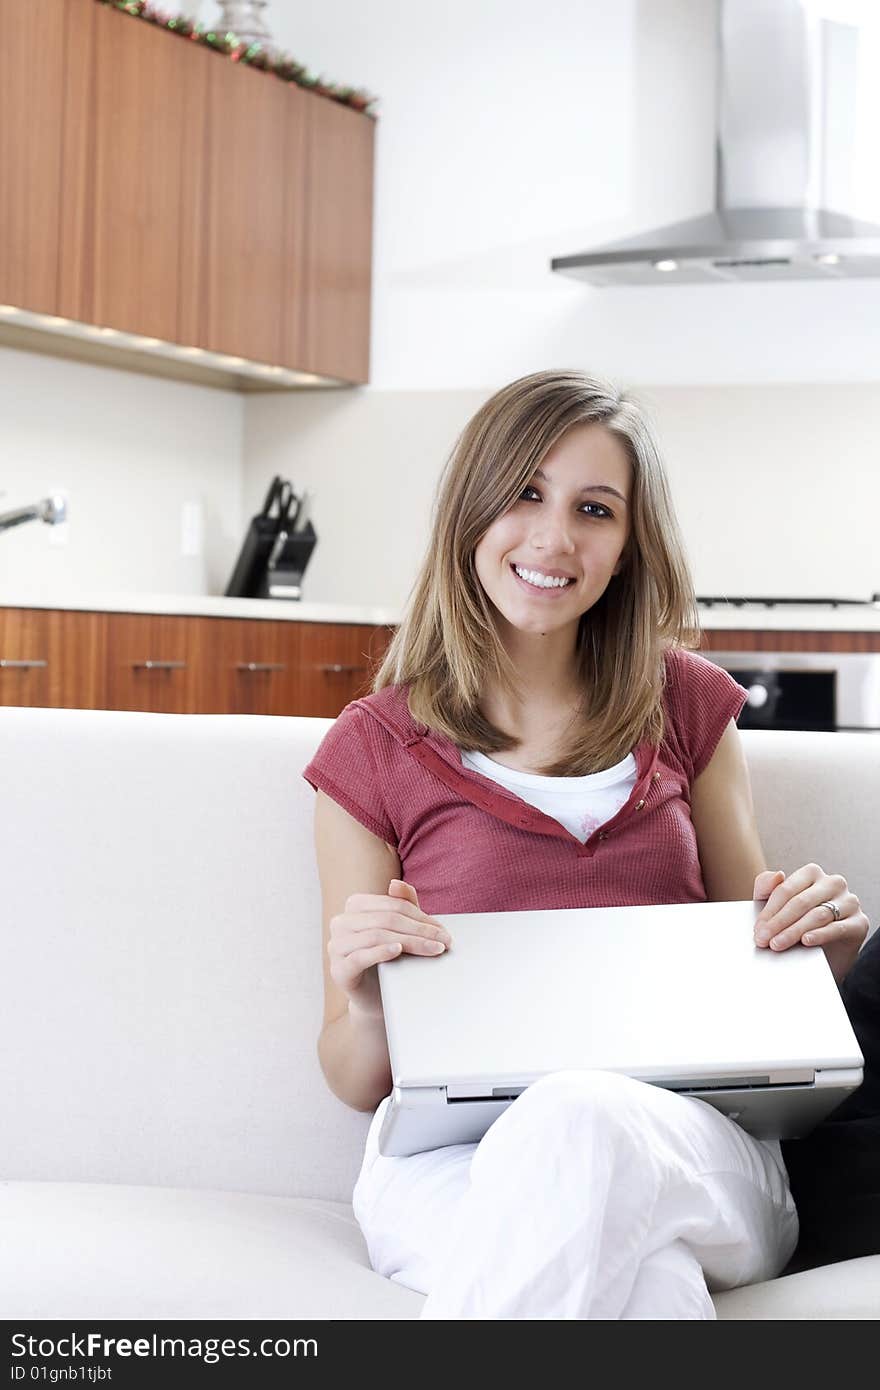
283, 576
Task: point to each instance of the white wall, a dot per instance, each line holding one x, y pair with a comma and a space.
512, 131
509, 132
129, 451
370, 461
776, 487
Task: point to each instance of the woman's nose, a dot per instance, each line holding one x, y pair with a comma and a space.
551, 531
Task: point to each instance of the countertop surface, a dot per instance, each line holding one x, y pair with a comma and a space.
791, 617
213, 606
783, 618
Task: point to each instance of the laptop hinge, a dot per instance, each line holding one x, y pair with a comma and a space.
803, 1076
480, 1091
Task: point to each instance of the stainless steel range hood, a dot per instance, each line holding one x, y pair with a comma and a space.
786, 139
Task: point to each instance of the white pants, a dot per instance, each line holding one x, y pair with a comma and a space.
592, 1196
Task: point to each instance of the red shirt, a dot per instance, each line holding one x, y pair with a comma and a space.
467, 844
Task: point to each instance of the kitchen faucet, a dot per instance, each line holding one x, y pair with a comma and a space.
52, 510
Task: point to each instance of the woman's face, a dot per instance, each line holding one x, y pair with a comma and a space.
571, 522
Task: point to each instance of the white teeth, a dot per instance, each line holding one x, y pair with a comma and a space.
540, 581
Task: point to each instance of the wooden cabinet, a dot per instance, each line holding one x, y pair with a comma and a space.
283, 668
336, 320
32, 64
77, 659
152, 663
337, 665
50, 658
76, 252
189, 665
184, 665
151, 186
139, 167
24, 657
251, 259
195, 202
752, 640
250, 667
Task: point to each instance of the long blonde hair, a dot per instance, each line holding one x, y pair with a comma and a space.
448, 644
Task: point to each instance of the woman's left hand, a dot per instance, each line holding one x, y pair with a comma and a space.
799, 908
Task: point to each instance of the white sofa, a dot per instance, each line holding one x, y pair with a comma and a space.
169, 1148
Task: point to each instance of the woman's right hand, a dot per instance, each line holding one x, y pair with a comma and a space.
376, 927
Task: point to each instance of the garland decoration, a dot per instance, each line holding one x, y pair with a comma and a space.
253, 55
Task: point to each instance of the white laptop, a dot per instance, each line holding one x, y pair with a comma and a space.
676, 996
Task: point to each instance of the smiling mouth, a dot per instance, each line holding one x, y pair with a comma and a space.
538, 583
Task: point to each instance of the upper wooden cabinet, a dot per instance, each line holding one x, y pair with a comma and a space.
153, 187
252, 259
339, 209
123, 174
31, 104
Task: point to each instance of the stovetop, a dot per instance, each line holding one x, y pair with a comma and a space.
750, 601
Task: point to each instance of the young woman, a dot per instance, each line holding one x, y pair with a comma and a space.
539, 736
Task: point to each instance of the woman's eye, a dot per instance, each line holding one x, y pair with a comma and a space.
598, 509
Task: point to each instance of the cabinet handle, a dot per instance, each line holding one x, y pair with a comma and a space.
158, 665
21, 665
337, 669
260, 666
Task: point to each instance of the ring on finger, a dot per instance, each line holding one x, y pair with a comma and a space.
833, 909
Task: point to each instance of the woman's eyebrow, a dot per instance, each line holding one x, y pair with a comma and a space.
591, 487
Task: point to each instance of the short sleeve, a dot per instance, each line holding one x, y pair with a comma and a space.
345, 769
701, 700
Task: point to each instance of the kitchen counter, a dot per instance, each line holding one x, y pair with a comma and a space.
790, 617
784, 618
213, 606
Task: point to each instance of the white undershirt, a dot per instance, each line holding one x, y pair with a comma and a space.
581, 804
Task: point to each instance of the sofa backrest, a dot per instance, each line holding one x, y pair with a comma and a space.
817, 799
161, 940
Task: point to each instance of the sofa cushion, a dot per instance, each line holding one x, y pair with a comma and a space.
850, 1290
86, 1250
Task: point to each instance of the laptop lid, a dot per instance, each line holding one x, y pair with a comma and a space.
677, 995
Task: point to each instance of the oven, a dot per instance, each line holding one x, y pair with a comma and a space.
806, 690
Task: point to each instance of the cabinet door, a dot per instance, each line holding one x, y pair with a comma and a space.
245, 259
123, 270
152, 663
249, 667
192, 323
24, 657
77, 660
337, 665
76, 253
32, 39
339, 201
